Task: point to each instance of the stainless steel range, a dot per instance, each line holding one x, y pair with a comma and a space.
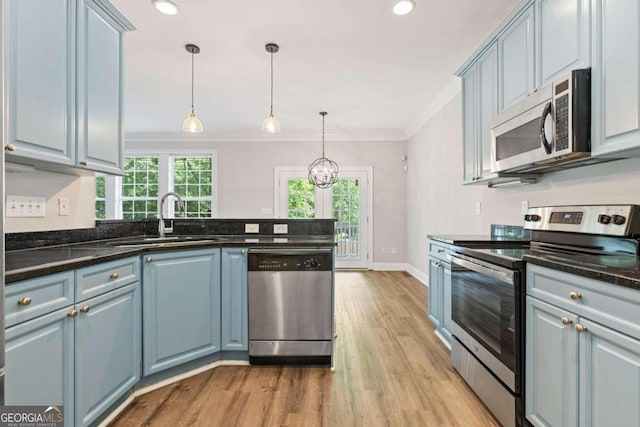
488, 293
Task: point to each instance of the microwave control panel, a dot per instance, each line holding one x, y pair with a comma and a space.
562, 122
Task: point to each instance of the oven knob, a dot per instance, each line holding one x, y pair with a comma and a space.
618, 219
527, 217
311, 263
604, 219
535, 218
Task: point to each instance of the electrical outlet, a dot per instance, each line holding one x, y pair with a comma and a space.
524, 206
63, 206
252, 228
280, 228
25, 207
384, 250
478, 208
394, 251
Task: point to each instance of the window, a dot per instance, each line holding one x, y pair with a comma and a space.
302, 198
147, 177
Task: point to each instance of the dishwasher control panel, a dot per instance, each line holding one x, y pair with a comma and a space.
290, 261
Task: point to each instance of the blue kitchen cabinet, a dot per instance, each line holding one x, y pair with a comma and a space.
39, 362
563, 30
39, 76
469, 128
551, 365
616, 78
516, 60
100, 87
108, 350
440, 290
582, 351
436, 284
181, 307
234, 311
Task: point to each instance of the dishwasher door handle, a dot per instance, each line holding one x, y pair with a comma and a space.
306, 251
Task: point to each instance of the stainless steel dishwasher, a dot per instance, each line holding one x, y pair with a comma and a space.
290, 305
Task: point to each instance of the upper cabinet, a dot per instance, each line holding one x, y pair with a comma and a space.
616, 78
563, 31
516, 71
64, 74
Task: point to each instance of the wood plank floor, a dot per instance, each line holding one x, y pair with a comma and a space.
391, 370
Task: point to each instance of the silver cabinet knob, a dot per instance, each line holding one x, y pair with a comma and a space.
114, 275
243, 251
149, 259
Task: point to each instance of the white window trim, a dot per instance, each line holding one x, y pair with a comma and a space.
113, 184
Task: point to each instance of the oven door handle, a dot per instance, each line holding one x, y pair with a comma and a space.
482, 267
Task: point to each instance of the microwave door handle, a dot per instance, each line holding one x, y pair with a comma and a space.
543, 136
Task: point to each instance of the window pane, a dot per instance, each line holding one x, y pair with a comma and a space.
100, 187
192, 181
301, 198
100, 209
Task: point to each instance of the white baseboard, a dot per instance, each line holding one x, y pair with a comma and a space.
421, 276
389, 266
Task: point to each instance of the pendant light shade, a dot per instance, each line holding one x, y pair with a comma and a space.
323, 173
192, 123
165, 6
271, 124
403, 7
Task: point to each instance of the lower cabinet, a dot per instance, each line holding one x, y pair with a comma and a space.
440, 290
108, 350
234, 311
181, 307
43, 358
582, 351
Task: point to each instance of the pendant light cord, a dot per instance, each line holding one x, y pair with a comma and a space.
271, 110
323, 136
192, 78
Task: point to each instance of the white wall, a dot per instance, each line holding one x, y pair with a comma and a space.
246, 179
437, 202
79, 190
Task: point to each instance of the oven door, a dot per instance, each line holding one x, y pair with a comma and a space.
486, 314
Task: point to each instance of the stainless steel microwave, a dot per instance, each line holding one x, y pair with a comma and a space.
550, 128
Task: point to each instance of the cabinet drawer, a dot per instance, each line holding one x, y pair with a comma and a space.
615, 306
98, 279
32, 298
440, 251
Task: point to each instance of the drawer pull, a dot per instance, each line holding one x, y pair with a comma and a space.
84, 163
243, 251
72, 313
440, 251
24, 301
438, 264
566, 321
575, 295
10, 147
149, 259
85, 309
581, 328
114, 276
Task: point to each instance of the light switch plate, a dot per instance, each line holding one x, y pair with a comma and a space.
25, 207
280, 228
63, 206
252, 228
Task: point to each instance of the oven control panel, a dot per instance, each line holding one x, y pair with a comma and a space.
613, 220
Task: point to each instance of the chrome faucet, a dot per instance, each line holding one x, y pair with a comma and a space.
161, 228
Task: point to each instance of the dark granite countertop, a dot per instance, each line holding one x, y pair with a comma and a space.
470, 240
29, 263
623, 270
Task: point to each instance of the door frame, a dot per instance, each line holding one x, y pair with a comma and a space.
302, 171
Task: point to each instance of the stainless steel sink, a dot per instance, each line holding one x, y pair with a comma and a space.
168, 241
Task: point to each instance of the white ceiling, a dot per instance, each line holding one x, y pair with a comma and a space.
374, 72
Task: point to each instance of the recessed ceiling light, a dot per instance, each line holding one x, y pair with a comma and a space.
165, 6
403, 7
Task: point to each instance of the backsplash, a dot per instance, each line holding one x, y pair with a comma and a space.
112, 229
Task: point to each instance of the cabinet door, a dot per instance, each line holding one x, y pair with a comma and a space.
39, 78
39, 362
181, 307
609, 377
563, 34
100, 89
616, 77
447, 322
470, 132
488, 104
516, 70
108, 350
551, 365
435, 291
234, 309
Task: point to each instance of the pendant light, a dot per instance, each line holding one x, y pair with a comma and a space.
323, 173
165, 6
192, 123
404, 7
271, 124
